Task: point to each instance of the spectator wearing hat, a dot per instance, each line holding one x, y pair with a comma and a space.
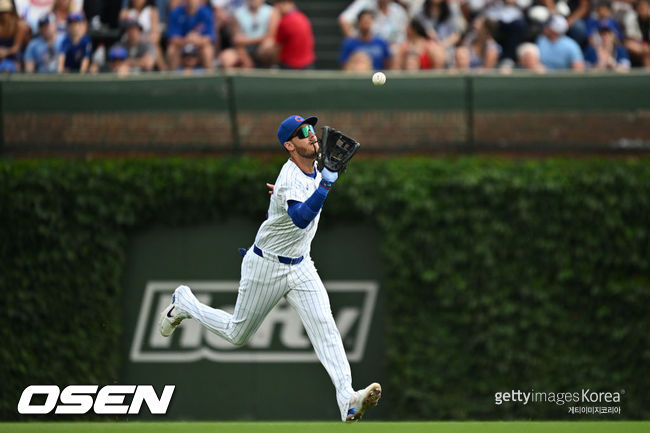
76, 46
558, 51
249, 28
190, 62
637, 33
603, 18
147, 15
605, 52
41, 54
13, 34
117, 60
141, 53
576, 12
191, 23
290, 39
374, 46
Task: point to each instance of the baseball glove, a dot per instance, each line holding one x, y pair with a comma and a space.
336, 149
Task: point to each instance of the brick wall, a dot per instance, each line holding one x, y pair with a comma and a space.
378, 131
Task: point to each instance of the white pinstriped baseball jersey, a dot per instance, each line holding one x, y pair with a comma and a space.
265, 281
278, 234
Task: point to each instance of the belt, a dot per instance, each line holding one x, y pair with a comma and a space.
281, 259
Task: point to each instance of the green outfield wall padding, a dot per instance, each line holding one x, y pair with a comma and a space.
562, 93
411, 112
348, 94
97, 96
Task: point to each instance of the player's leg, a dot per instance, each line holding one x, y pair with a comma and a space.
309, 297
262, 285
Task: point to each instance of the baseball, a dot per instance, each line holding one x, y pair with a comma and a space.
378, 79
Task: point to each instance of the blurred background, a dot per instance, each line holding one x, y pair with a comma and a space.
492, 234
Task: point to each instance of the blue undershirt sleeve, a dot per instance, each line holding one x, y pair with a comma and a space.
302, 213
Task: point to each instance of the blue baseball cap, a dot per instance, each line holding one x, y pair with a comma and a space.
291, 123
606, 25
45, 19
117, 53
76, 17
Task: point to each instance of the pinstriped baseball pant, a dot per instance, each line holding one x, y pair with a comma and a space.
264, 282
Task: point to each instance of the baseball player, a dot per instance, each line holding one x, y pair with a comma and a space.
278, 265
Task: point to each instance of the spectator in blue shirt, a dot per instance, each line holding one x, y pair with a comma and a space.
603, 18
191, 23
41, 54
605, 52
558, 51
375, 47
76, 46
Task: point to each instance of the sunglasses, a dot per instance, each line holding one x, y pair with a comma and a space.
303, 132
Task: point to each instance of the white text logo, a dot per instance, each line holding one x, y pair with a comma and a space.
280, 338
80, 399
558, 398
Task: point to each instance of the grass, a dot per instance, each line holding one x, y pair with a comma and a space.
329, 427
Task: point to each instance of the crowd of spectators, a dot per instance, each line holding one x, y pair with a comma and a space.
536, 35
191, 36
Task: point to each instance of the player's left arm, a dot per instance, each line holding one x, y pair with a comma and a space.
302, 213
337, 149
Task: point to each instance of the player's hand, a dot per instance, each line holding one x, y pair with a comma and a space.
329, 176
270, 186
